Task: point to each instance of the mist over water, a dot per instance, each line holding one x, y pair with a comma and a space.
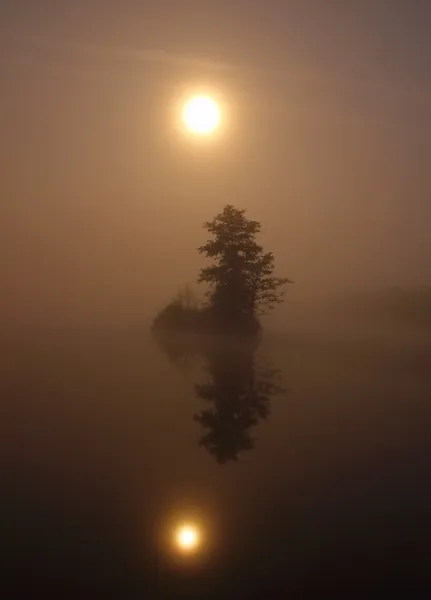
303, 456
106, 425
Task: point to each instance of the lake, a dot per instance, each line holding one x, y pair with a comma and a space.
305, 464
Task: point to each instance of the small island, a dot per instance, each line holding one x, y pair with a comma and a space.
241, 285
223, 334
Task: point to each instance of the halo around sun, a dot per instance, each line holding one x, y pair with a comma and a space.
201, 115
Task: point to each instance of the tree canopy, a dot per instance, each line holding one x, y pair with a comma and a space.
242, 285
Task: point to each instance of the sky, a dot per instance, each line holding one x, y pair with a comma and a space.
326, 142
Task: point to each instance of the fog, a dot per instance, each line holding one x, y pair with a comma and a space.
308, 451
103, 199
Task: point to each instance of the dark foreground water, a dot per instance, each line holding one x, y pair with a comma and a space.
305, 464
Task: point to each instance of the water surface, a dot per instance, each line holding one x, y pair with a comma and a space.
306, 462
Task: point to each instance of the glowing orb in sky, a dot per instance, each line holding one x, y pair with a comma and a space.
201, 115
187, 538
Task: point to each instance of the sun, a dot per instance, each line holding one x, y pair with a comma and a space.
187, 538
201, 115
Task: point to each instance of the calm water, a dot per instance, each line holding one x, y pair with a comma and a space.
306, 463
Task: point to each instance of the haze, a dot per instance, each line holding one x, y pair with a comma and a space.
301, 461
102, 201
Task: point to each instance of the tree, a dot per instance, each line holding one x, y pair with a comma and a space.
241, 282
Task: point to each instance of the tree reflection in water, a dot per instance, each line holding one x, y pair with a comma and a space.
237, 391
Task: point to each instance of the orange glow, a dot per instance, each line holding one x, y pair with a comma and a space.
187, 538
201, 115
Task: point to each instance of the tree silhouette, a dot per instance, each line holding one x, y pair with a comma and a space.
238, 393
241, 282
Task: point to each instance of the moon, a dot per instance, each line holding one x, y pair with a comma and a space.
187, 538
201, 115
